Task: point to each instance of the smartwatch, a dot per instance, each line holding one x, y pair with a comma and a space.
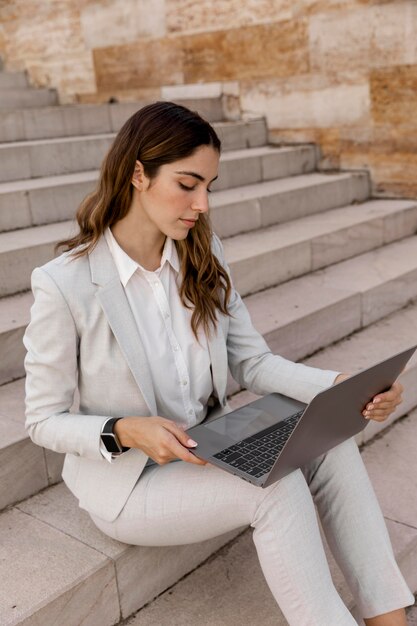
110, 439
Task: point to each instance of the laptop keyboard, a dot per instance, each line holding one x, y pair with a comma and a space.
257, 454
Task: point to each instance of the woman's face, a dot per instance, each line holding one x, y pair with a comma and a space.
172, 201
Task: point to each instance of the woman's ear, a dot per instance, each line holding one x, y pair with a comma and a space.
139, 179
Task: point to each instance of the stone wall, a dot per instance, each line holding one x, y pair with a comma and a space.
339, 72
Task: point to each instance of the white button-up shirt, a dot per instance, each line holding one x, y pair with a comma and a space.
179, 365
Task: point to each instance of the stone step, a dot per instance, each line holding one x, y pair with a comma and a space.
276, 254
66, 155
41, 201
258, 259
213, 106
27, 98
85, 119
234, 574
234, 211
13, 80
336, 302
58, 568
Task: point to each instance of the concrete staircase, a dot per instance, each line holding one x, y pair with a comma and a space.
15, 91
325, 271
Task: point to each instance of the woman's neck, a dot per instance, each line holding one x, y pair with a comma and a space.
143, 245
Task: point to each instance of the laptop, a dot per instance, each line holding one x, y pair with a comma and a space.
274, 435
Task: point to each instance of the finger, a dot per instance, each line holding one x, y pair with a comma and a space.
374, 413
182, 453
383, 405
378, 418
180, 434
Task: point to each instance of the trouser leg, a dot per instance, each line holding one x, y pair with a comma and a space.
355, 530
182, 503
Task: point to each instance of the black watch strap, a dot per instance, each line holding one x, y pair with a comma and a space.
110, 439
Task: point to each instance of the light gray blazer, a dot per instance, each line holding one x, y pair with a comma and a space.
82, 334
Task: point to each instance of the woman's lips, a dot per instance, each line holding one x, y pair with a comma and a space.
189, 223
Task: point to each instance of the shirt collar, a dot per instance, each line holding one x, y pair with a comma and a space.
126, 266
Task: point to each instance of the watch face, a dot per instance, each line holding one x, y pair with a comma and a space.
110, 442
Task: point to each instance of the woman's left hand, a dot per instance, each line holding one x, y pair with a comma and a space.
383, 404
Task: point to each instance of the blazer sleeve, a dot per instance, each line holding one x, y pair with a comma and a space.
51, 341
253, 365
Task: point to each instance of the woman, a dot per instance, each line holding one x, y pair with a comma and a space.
141, 316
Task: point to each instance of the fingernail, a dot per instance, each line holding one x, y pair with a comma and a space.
191, 442
377, 400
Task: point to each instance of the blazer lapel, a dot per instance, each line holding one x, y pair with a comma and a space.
218, 356
115, 305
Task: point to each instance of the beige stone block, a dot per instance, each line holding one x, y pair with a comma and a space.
14, 316
312, 194
239, 217
54, 464
265, 269
15, 163
195, 90
14, 211
237, 169
68, 155
389, 297
401, 225
11, 346
11, 126
346, 242
276, 49
397, 497
286, 315
392, 173
393, 92
388, 336
66, 581
323, 107
22, 464
187, 15
121, 21
12, 400
375, 35
120, 113
58, 203
105, 96
146, 63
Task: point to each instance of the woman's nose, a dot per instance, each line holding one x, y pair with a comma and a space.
201, 203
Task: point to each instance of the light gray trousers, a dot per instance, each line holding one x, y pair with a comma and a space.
181, 503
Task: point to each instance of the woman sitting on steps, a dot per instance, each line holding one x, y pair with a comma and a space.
140, 315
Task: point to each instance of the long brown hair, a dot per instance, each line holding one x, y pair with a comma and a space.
157, 134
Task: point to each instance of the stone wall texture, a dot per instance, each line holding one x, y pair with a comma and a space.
342, 73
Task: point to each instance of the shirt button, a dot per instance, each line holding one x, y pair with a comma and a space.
155, 282
166, 315
190, 412
176, 348
184, 383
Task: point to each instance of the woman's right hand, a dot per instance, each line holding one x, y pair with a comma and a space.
159, 438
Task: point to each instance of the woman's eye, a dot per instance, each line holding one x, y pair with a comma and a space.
185, 187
